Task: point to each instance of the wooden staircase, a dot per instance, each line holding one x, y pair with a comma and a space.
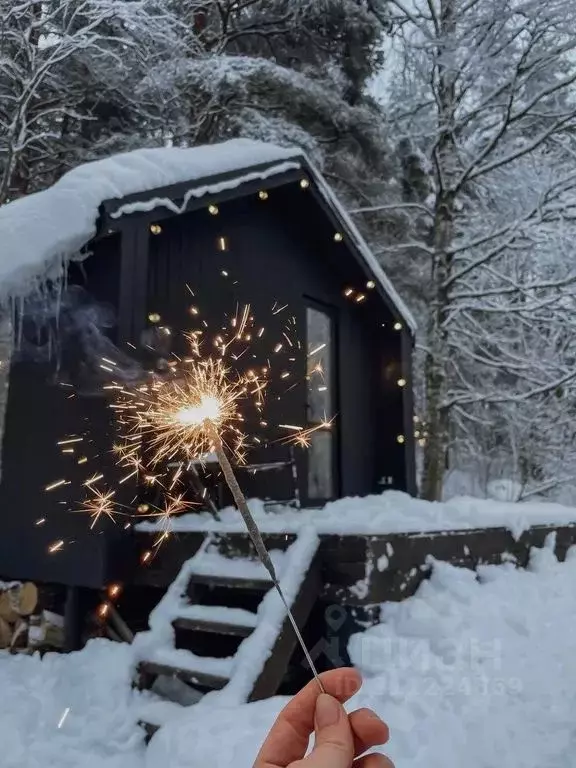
222, 627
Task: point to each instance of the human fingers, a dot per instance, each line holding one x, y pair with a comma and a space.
368, 730
288, 737
334, 743
373, 761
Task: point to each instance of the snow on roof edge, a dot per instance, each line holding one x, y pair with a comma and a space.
42, 232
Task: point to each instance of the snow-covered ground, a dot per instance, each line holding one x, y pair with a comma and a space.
389, 512
470, 671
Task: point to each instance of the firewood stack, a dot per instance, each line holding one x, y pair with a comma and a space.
24, 627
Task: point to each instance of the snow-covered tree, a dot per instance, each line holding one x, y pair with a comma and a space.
484, 109
68, 72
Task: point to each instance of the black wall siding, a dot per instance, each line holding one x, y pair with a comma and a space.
280, 250
39, 414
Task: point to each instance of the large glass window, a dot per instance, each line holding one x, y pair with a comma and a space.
320, 403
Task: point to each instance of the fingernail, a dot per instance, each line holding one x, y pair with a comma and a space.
327, 711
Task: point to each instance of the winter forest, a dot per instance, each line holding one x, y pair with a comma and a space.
446, 126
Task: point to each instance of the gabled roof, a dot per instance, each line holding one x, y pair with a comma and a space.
41, 233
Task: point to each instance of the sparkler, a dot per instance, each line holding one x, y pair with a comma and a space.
189, 416
188, 409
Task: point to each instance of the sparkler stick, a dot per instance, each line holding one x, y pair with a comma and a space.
255, 534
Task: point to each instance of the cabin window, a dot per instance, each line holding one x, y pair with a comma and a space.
320, 402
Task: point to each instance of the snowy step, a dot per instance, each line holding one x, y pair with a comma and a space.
218, 619
213, 564
231, 582
254, 667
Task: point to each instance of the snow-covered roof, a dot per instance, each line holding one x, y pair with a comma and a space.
42, 232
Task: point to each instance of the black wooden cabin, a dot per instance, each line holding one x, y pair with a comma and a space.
270, 234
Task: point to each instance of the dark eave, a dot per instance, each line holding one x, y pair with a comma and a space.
108, 223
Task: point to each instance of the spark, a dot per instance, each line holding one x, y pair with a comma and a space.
170, 420
93, 479
63, 717
303, 437
98, 505
173, 505
55, 485
41, 521
56, 546
70, 440
317, 349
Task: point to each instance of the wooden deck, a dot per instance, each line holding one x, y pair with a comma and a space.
358, 570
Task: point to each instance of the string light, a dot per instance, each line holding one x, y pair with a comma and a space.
370, 284
213, 210
400, 439
401, 382
304, 183
114, 590
222, 244
338, 237
348, 291
154, 317
398, 326
155, 229
263, 195
360, 297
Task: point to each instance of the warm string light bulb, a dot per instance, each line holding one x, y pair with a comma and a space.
263, 195
155, 229
213, 210
397, 326
401, 382
154, 317
400, 439
304, 183
338, 237
114, 590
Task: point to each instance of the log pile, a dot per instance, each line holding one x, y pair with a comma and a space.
24, 626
